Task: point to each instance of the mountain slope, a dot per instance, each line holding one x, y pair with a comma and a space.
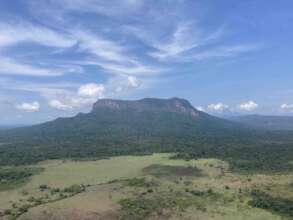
115, 127
266, 122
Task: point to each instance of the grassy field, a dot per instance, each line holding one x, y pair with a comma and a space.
143, 187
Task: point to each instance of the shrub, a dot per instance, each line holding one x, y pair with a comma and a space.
74, 189
43, 187
275, 204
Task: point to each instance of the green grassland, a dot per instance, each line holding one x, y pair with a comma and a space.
146, 187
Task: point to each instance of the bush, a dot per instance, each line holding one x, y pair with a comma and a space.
7, 212
136, 182
23, 208
43, 187
74, 189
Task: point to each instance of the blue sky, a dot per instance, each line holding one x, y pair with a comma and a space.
57, 57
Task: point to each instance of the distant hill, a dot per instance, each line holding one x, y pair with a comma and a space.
116, 127
4, 127
266, 122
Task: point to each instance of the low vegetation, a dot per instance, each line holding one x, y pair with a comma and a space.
171, 171
21, 207
11, 177
143, 206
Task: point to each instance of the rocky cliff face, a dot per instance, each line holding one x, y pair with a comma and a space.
176, 105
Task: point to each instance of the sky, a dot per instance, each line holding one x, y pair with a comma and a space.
57, 57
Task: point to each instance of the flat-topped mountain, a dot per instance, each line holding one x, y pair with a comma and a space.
119, 127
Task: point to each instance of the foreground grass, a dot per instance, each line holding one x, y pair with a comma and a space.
144, 187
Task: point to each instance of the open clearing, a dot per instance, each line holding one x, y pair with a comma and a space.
142, 187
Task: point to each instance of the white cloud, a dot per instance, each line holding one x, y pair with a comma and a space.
62, 95
287, 107
78, 102
72, 102
71, 96
122, 86
200, 108
248, 106
133, 82
85, 96
59, 105
29, 107
218, 107
92, 90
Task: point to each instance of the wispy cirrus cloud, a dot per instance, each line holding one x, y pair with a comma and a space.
14, 32
11, 67
187, 46
183, 39
135, 68
45, 89
31, 68
223, 52
103, 48
190, 42
109, 8
112, 56
187, 36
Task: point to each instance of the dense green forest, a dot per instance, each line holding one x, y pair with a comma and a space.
147, 126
